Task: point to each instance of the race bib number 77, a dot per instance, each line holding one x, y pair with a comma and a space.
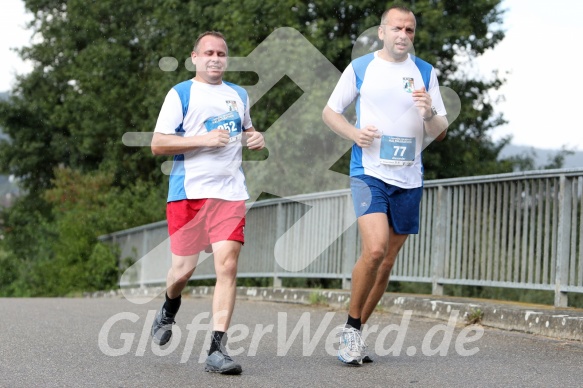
397, 150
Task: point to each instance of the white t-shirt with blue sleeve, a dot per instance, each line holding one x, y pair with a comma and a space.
383, 94
193, 108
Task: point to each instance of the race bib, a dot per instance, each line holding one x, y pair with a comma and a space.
397, 150
230, 121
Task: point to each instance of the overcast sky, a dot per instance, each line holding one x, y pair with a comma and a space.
541, 105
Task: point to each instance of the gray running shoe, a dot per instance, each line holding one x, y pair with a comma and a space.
162, 327
366, 359
221, 362
351, 347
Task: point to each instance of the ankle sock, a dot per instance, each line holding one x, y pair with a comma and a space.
354, 322
172, 305
216, 339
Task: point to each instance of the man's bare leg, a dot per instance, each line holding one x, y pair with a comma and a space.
396, 242
226, 256
181, 270
374, 232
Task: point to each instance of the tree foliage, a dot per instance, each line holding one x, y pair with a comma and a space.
61, 253
96, 76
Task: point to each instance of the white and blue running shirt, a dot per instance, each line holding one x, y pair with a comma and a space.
382, 90
193, 108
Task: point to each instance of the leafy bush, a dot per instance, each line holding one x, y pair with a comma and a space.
58, 253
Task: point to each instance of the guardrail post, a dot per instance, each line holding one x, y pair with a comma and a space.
563, 243
144, 250
349, 243
280, 231
439, 245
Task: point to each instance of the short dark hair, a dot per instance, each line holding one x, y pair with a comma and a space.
399, 7
216, 34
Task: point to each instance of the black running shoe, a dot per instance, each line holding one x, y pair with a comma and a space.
220, 362
162, 327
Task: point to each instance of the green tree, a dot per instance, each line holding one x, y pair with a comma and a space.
64, 254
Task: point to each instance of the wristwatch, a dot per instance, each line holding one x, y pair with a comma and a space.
433, 113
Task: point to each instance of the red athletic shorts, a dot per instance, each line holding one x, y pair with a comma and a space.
195, 224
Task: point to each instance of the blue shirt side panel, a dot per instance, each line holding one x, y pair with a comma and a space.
359, 65
425, 70
176, 191
183, 90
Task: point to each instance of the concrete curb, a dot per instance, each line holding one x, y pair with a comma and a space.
564, 323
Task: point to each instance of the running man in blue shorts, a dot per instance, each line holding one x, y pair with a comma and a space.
398, 104
204, 123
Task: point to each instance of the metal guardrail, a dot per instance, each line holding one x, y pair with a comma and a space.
517, 230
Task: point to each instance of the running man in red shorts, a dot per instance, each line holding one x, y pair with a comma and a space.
204, 122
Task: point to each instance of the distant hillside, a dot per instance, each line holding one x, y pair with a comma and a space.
542, 156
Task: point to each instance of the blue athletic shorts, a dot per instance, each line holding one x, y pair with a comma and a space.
372, 195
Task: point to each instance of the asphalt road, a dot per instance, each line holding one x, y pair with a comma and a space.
105, 343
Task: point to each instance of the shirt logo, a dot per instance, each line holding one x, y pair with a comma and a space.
232, 105
408, 84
